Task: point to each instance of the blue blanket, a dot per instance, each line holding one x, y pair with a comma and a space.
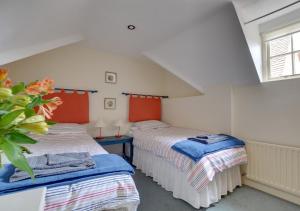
106, 164
196, 150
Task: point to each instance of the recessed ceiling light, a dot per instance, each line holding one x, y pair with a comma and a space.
131, 27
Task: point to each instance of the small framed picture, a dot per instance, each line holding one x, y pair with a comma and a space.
110, 103
110, 77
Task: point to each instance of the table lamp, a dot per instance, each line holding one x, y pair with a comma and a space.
119, 124
100, 124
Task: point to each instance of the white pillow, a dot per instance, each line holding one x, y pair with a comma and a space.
150, 124
67, 128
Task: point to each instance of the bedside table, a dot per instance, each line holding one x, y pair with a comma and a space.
111, 140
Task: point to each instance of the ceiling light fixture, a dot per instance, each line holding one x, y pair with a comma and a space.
131, 27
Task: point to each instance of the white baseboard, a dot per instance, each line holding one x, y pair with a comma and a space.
273, 191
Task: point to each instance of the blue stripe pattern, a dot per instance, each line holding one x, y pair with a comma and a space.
106, 164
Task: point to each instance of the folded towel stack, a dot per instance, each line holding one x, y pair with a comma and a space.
209, 138
196, 148
53, 164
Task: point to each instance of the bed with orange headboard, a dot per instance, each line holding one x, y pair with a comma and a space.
75, 107
73, 138
143, 108
154, 155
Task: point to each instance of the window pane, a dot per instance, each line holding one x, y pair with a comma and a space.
281, 66
296, 41
280, 46
297, 63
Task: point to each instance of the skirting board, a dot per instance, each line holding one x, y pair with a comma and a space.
273, 191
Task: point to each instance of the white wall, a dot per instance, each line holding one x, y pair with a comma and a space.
211, 56
209, 112
176, 87
268, 112
78, 67
75, 66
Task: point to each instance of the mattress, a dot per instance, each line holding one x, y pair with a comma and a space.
109, 192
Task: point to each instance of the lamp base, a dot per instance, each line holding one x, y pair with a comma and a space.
118, 134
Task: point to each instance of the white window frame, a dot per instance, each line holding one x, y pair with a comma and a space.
276, 34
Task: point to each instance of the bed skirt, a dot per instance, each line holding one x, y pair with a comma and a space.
174, 180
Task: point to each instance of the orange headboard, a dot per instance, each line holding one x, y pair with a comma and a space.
144, 108
75, 107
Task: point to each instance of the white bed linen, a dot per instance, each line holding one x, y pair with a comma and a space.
200, 183
172, 179
62, 143
159, 142
82, 142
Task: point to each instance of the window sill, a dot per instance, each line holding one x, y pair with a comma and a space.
281, 78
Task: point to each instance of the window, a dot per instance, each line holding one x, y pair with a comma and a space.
282, 53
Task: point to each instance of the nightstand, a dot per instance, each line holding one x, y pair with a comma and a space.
111, 140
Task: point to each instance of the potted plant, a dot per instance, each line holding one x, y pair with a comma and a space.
22, 111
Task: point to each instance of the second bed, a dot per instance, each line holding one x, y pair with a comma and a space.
198, 183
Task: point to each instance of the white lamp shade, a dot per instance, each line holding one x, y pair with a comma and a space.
100, 123
119, 123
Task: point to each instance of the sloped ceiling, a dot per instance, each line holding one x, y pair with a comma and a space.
211, 53
201, 56
36, 26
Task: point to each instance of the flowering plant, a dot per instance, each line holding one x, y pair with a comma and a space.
23, 110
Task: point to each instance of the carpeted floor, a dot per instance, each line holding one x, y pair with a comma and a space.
155, 198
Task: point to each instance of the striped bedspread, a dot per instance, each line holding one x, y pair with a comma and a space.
111, 192
160, 141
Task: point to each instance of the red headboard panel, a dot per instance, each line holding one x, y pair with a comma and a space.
144, 108
75, 107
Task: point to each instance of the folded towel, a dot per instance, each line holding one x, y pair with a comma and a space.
202, 141
202, 137
66, 159
196, 150
52, 164
106, 164
213, 138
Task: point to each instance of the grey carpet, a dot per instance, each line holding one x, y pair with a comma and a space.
155, 198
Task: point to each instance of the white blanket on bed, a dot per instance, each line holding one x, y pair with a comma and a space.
63, 143
159, 141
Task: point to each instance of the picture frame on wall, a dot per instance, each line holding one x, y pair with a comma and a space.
110, 77
110, 103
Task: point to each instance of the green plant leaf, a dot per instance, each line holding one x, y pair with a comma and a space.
10, 117
14, 154
29, 112
35, 102
6, 105
18, 88
50, 122
34, 119
19, 138
37, 127
25, 150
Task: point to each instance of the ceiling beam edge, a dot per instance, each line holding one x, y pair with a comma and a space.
21, 53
